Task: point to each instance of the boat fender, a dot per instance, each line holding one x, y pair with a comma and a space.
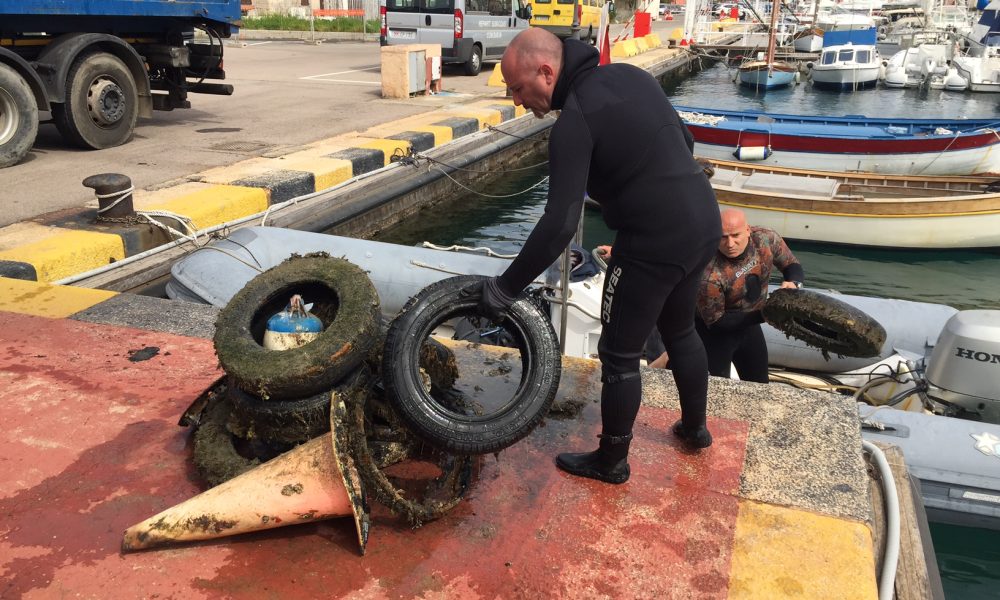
824, 322
752, 152
294, 326
798, 77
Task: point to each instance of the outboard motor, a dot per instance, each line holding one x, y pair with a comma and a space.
964, 368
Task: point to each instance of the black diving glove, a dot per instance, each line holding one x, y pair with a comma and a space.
493, 300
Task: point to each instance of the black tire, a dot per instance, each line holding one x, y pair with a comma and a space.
438, 424
475, 63
215, 453
824, 322
18, 117
343, 298
287, 421
101, 104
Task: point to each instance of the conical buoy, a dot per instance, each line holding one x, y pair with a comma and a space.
684, 40
314, 481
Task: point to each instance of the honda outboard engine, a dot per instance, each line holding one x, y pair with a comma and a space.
964, 368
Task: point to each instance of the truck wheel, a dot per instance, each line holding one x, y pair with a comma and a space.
475, 63
101, 104
18, 117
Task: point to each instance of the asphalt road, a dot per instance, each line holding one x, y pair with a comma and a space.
286, 94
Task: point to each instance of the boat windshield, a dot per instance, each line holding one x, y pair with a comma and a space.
846, 55
829, 58
863, 56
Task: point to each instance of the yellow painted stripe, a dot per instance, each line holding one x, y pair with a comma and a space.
388, 147
865, 216
46, 300
327, 172
211, 205
442, 134
56, 253
785, 553
519, 111
485, 116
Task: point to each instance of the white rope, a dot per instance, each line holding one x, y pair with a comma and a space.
121, 196
230, 254
188, 224
488, 251
485, 195
700, 118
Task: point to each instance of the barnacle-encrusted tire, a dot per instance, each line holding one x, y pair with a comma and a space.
824, 322
442, 426
343, 298
288, 421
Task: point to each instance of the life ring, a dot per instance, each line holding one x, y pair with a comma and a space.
343, 298
442, 425
824, 322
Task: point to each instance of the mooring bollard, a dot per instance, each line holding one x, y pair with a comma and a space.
114, 195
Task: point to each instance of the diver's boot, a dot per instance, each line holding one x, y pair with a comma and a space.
609, 463
697, 439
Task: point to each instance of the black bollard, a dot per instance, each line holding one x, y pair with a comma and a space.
108, 187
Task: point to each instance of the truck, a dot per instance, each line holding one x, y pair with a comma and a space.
99, 65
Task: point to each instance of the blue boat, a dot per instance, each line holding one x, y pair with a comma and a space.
848, 144
768, 74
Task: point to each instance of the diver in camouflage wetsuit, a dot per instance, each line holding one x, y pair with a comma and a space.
733, 292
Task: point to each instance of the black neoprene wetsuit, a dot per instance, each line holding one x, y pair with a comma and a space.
619, 139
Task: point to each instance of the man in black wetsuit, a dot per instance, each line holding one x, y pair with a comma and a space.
619, 140
733, 292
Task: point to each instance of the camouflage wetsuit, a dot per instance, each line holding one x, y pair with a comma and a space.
733, 291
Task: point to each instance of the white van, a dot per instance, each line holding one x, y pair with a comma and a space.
469, 31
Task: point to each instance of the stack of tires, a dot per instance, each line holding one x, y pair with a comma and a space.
395, 381
275, 400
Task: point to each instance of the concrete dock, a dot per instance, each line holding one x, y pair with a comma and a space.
93, 388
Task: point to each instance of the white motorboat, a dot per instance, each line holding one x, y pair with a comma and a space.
848, 62
927, 64
980, 68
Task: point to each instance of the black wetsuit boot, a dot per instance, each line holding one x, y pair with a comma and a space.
697, 439
609, 463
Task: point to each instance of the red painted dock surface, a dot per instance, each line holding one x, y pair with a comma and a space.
90, 446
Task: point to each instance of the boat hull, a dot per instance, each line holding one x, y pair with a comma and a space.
762, 77
849, 144
845, 79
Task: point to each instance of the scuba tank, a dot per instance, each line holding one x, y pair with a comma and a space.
292, 327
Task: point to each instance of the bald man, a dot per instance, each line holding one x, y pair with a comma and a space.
618, 139
733, 292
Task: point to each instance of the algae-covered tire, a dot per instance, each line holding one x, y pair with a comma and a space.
215, 453
824, 322
290, 421
343, 298
439, 424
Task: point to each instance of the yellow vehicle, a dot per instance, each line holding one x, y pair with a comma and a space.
578, 19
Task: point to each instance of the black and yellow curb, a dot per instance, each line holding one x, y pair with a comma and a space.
52, 249
45, 300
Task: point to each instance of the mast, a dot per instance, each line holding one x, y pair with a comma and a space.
775, 7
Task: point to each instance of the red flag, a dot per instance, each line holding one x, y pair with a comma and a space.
603, 41
605, 49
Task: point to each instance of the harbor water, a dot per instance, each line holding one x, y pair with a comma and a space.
969, 559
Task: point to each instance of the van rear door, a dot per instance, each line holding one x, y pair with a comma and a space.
420, 22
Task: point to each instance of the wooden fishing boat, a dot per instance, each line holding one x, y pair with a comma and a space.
768, 74
864, 209
848, 144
